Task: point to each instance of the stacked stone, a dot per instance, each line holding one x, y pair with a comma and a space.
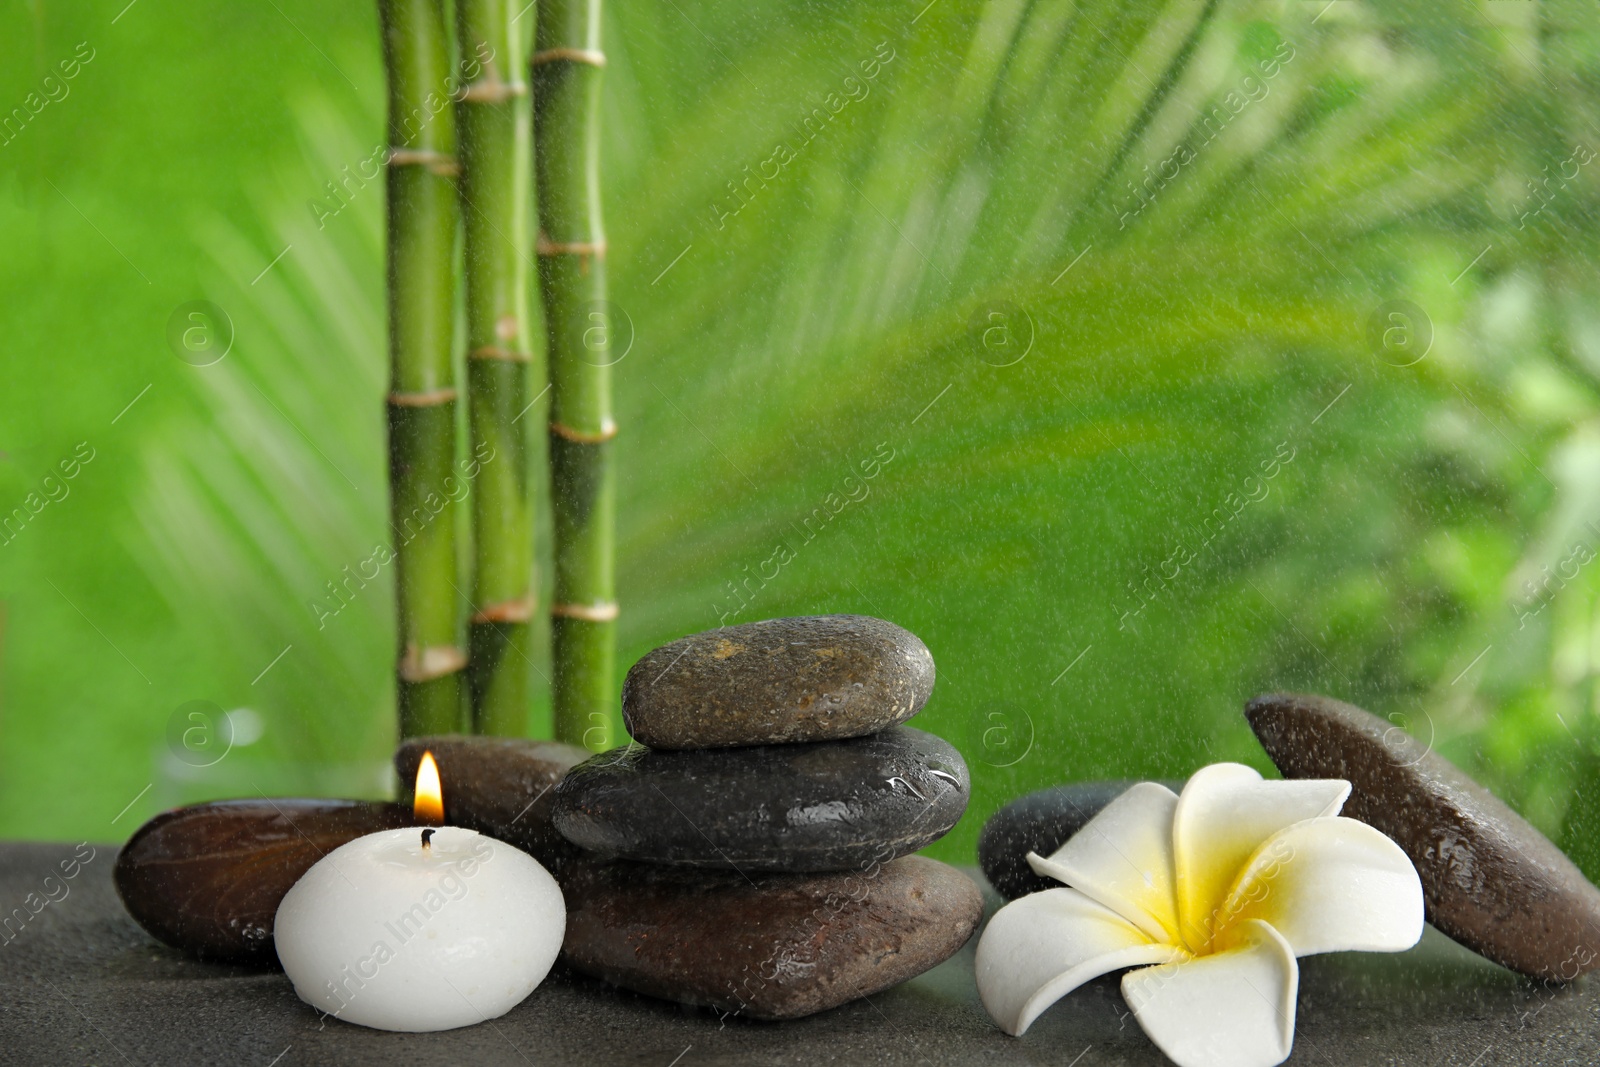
750, 854
750, 851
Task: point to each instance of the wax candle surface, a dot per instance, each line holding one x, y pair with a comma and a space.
388, 933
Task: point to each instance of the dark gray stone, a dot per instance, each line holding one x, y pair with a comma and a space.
771, 946
824, 806
1490, 880
83, 984
1040, 822
813, 678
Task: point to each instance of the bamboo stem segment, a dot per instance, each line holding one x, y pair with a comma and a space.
496, 204
422, 401
566, 70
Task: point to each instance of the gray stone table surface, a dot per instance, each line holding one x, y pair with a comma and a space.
80, 983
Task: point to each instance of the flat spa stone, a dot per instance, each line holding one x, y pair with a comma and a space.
1490, 880
824, 806
812, 678
1040, 822
207, 879
773, 946
500, 786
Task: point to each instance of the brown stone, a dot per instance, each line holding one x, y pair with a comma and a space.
771, 946
500, 786
1490, 880
811, 678
208, 878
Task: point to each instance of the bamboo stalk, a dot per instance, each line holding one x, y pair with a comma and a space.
566, 80
497, 202
422, 409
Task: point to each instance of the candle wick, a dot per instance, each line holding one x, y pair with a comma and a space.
425, 835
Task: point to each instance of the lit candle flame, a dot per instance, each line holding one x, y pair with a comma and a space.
428, 807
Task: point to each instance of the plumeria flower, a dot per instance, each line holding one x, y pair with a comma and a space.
1212, 895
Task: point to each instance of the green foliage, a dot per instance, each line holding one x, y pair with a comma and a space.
1201, 481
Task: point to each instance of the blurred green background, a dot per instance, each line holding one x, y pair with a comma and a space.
1216, 348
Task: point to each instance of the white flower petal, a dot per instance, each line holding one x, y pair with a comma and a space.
1231, 1009
1122, 858
1225, 813
1041, 947
1330, 885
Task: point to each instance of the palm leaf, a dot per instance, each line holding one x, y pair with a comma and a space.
830, 319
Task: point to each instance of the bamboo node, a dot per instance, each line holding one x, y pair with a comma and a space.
510, 355
441, 164
427, 399
590, 56
425, 663
493, 92
547, 247
600, 611
518, 610
608, 430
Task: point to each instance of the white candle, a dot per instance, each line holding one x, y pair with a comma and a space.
391, 933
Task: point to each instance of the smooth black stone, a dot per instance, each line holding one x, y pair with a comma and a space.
824, 806
811, 678
1040, 822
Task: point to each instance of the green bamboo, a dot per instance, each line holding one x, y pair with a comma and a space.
423, 483
566, 92
496, 204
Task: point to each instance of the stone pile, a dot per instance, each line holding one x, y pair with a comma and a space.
750, 852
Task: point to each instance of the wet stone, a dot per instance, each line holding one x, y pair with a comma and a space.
773, 946
500, 786
828, 805
812, 678
207, 879
1040, 822
1490, 880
